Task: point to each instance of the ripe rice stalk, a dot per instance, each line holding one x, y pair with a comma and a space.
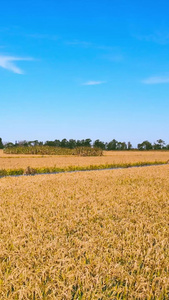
95, 235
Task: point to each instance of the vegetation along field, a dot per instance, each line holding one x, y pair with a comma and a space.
90, 235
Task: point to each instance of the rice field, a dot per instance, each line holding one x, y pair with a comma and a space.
92, 235
8, 161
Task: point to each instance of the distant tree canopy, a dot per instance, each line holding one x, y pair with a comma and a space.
99, 144
146, 145
159, 145
72, 144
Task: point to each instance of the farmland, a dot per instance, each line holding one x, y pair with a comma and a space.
93, 235
9, 161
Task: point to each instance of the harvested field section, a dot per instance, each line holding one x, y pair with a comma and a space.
97, 235
111, 157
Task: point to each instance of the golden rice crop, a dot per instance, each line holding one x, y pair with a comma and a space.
92, 235
110, 157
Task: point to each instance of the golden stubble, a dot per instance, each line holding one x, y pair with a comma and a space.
90, 235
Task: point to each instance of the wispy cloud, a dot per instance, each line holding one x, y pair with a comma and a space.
85, 44
104, 47
93, 82
76, 43
113, 57
43, 36
79, 43
156, 80
156, 37
8, 63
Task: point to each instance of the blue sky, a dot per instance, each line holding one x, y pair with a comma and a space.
84, 69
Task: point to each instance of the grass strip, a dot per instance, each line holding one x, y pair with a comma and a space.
50, 170
10, 172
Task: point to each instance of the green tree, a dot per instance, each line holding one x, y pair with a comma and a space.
121, 146
64, 143
78, 143
99, 144
23, 143
9, 144
72, 144
146, 145
160, 144
50, 143
57, 143
1, 144
86, 143
112, 145
129, 146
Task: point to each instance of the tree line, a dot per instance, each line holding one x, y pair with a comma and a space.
72, 144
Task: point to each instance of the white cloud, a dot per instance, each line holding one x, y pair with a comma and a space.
8, 63
93, 82
156, 80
